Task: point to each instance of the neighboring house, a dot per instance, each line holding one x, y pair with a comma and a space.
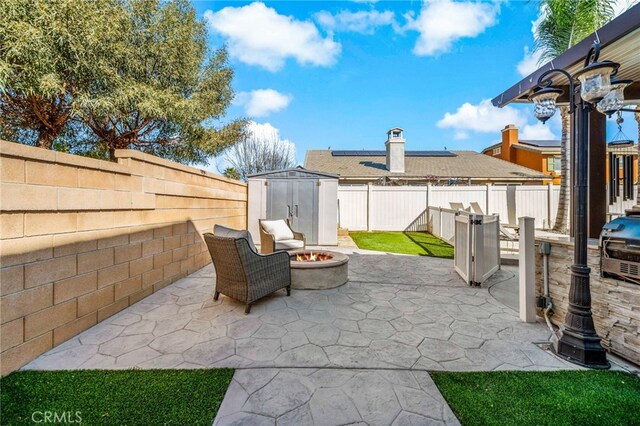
395, 166
544, 155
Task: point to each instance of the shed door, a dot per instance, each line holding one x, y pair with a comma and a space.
278, 199
305, 209
296, 200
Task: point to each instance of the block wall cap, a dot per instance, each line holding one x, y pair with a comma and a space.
152, 159
12, 149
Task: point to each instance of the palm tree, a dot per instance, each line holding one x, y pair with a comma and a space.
565, 23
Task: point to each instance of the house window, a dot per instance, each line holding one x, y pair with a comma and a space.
396, 134
554, 164
497, 151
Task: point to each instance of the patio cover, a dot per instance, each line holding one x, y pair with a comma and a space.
620, 42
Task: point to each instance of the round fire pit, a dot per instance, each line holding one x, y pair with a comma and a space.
317, 270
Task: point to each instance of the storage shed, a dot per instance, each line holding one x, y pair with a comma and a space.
308, 198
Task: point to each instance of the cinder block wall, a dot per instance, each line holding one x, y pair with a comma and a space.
615, 304
82, 239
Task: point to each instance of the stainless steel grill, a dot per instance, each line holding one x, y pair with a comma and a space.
620, 246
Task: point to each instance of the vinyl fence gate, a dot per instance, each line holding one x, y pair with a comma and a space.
476, 247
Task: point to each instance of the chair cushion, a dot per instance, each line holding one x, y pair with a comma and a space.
289, 244
223, 231
278, 228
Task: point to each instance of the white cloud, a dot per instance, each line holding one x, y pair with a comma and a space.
262, 102
529, 63
364, 22
258, 35
531, 60
442, 22
266, 131
485, 118
537, 131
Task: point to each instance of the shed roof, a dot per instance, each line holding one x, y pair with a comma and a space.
294, 172
464, 164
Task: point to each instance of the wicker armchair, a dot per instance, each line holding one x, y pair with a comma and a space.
245, 275
269, 244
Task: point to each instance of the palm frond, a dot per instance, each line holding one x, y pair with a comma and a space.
567, 22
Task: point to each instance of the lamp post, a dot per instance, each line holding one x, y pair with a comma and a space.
579, 342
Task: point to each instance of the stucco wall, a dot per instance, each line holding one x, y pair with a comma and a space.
615, 304
82, 239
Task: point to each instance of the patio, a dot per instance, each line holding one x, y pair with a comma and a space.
374, 338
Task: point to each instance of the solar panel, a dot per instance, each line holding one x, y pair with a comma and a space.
429, 154
363, 153
354, 153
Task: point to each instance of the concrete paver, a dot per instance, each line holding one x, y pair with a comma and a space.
357, 353
333, 397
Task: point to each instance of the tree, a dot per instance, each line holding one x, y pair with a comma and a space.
169, 91
50, 52
260, 151
231, 173
103, 75
564, 24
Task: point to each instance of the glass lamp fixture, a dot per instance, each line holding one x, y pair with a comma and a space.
595, 80
614, 100
545, 103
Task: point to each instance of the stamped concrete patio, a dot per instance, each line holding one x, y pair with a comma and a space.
357, 353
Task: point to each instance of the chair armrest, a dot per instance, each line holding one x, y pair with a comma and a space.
278, 257
267, 242
300, 236
297, 235
265, 273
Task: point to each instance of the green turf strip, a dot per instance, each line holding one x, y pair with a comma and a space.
418, 243
542, 398
122, 397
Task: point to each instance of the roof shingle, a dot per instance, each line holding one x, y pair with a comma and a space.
466, 164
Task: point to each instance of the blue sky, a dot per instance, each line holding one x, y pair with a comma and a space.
340, 74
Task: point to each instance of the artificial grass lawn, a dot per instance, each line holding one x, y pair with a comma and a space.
542, 398
123, 397
419, 243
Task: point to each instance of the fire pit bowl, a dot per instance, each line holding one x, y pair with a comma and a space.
318, 270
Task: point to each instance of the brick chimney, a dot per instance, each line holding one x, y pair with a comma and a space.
395, 150
509, 138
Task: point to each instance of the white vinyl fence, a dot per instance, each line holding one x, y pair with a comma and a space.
441, 223
400, 208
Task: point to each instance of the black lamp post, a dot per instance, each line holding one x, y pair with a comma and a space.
579, 342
